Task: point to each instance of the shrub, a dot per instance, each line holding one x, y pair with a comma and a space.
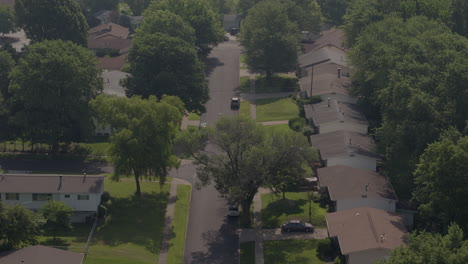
314, 99
339, 260
105, 197
297, 123
324, 248
307, 131
102, 211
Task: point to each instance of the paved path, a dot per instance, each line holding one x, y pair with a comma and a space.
272, 123
249, 234
186, 122
170, 210
258, 228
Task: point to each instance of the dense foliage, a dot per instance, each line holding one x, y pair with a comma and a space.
57, 216
7, 19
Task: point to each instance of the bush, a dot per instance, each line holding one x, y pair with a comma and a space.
314, 99
105, 197
297, 123
307, 131
339, 260
324, 248
102, 211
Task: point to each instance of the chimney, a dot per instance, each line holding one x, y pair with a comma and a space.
339, 72
84, 177
60, 182
367, 187
382, 238
328, 101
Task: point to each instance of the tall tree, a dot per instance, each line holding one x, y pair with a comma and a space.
98, 5
166, 22
334, 10
144, 132
22, 226
270, 38
201, 15
7, 20
51, 88
428, 248
442, 183
138, 6
52, 19
305, 13
57, 217
161, 64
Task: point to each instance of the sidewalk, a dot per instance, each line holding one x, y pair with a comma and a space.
170, 210
186, 122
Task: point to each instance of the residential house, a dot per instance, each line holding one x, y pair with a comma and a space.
40, 255
327, 80
335, 37
350, 188
326, 54
81, 192
104, 16
10, 3
346, 148
231, 21
332, 115
366, 235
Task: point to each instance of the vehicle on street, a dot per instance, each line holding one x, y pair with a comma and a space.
297, 226
235, 103
233, 211
226, 38
234, 31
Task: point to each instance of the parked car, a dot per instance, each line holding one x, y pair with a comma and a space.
297, 226
233, 211
235, 102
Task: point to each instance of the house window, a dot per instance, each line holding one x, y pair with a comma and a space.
83, 197
42, 196
67, 196
12, 196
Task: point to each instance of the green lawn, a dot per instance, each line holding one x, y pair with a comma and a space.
292, 252
244, 84
243, 58
275, 109
98, 148
247, 253
271, 129
73, 240
276, 211
177, 243
278, 83
244, 109
193, 116
133, 232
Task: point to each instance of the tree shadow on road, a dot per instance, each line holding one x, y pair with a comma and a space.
210, 64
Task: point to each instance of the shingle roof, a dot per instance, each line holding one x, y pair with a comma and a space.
123, 45
362, 229
339, 143
41, 183
40, 255
113, 63
344, 182
334, 111
326, 54
109, 29
325, 79
334, 37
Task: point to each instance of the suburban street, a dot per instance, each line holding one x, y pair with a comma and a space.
211, 236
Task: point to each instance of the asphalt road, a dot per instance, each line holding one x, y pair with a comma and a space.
211, 236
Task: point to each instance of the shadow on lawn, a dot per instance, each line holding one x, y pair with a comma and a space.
79, 233
271, 214
281, 252
138, 220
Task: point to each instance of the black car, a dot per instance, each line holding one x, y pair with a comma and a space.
297, 226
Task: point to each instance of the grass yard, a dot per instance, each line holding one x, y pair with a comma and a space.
194, 116
276, 211
244, 109
247, 253
73, 240
176, 250
244, 84
134, 228
292, 252
275, 109
271, 129
243, 58
278, 83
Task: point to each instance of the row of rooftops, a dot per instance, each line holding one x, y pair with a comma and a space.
343, 131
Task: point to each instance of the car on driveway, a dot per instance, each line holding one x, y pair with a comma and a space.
235, 103
233, 211
297, 226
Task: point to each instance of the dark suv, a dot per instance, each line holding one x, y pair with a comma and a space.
296, 225
235, 103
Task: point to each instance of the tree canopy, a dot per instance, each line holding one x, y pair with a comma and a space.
161, 64
442, 183
270, 38
144, 132
201, 15
57, 217
334, 10
52, 19
20, 225
51, 87
7, 19
410, 76
429, 248
138, 6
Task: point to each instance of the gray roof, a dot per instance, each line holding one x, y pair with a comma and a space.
41, 183
326, 54
325, 79
344, 182
361, 229
334, 111
40, 255
339, 143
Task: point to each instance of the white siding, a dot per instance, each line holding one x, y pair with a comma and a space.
368, 256
384, 204
356, 161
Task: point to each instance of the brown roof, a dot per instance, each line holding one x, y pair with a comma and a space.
325, 79
123, 45
40, 255
109, 30
362, 229
113, 63
7, 2
334, 37
340, 143
41, 183
344, 182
